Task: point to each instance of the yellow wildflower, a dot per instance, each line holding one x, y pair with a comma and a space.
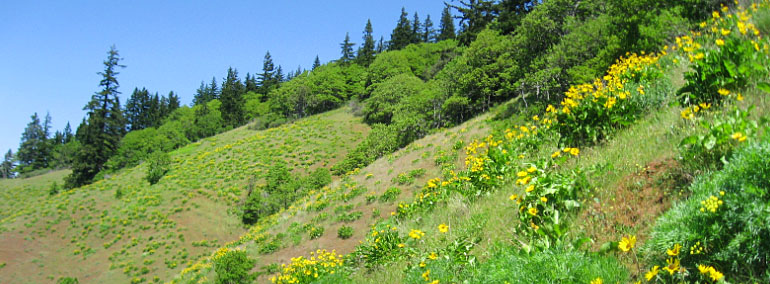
556, 154
544, 199
433, 256
443, 228
532, 211
597, 281
650, 274
723, 92
513, 197
530, 188
720, 42
674, 251
672, 266
627, 243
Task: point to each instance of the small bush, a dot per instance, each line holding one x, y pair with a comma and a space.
349, 217
54, 189
390, 194
233, 266
157, 166
707, 150
345, 232
316, 232
67, 280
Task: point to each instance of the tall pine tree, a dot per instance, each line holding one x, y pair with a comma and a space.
316, 63
266, 79
474, 17
416, 29
347, 50
173, 102
428, 33
447, 25
232, 100
137, 110
7, 167
366, 52
402, 35
100, 134
32, 153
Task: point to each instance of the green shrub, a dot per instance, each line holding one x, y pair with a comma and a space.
67, 280
54, 189
349, 217
345, 232
724, 222
316, 232
390, 194
271, 246
714, 144
233, 266
157, 166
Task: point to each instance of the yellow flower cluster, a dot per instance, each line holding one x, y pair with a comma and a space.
710, 271
740, 137
627, 243
416, 234
711, 204
304, 270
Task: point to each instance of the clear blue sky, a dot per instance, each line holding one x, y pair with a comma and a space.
50, 51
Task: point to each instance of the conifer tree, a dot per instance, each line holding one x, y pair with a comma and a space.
32, 149
416, 29
381, 45
232, 100
474, 17
173, 102
201, 94
402, 35
316, 63
7, 167
279, 74
347, 49
266, 79
103, 129
447, 25
366, 52
137, 110
251, 83
67, 134
213, 90
428, 33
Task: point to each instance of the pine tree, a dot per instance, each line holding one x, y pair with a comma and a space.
213, 90
279, 74
137, 110
316, 63
32, 149
381, 45
67, 134
251, 83
474, 17
7, 167
266, 79
447, 25
105, 126
366, 52
428, 33
347, 49
173, 102
416, 29
402, 35
200, 94
232, 100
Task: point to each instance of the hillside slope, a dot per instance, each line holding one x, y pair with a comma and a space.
121, 229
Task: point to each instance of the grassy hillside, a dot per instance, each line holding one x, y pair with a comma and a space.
121, 229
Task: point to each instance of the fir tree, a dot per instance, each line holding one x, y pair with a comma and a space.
381, 45
279, 74
416, 29
100, 133
213, 90
316, 63
201, 94
67, 134
474, 17
347, 49
251, 83
137, 110
7, 167
32, 149
232, 100
447, 25
266, 79
402, 35
173, 102
366, 52
428, 33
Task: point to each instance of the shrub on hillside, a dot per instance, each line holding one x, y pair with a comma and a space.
232, 266
157, 166
345, 232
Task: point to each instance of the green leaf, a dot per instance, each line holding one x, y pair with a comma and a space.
764, 86
690, 140
730, 66
710, 142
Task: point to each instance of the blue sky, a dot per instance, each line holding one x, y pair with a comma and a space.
51, 50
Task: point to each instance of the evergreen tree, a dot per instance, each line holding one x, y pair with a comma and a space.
474, 17
213, 90
7, 167
154, 115
316, 63
416, 29
428, 33
137, 110
511, 14
100, 134
366, 52
381, 45
201, 95
402, 35
347, 49
266, 79
279, 74
232, 100
251, 83
67, 134
32, 149
173, 102
447, 25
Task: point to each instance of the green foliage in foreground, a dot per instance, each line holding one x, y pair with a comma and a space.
733, 228
157, 166
233, 267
